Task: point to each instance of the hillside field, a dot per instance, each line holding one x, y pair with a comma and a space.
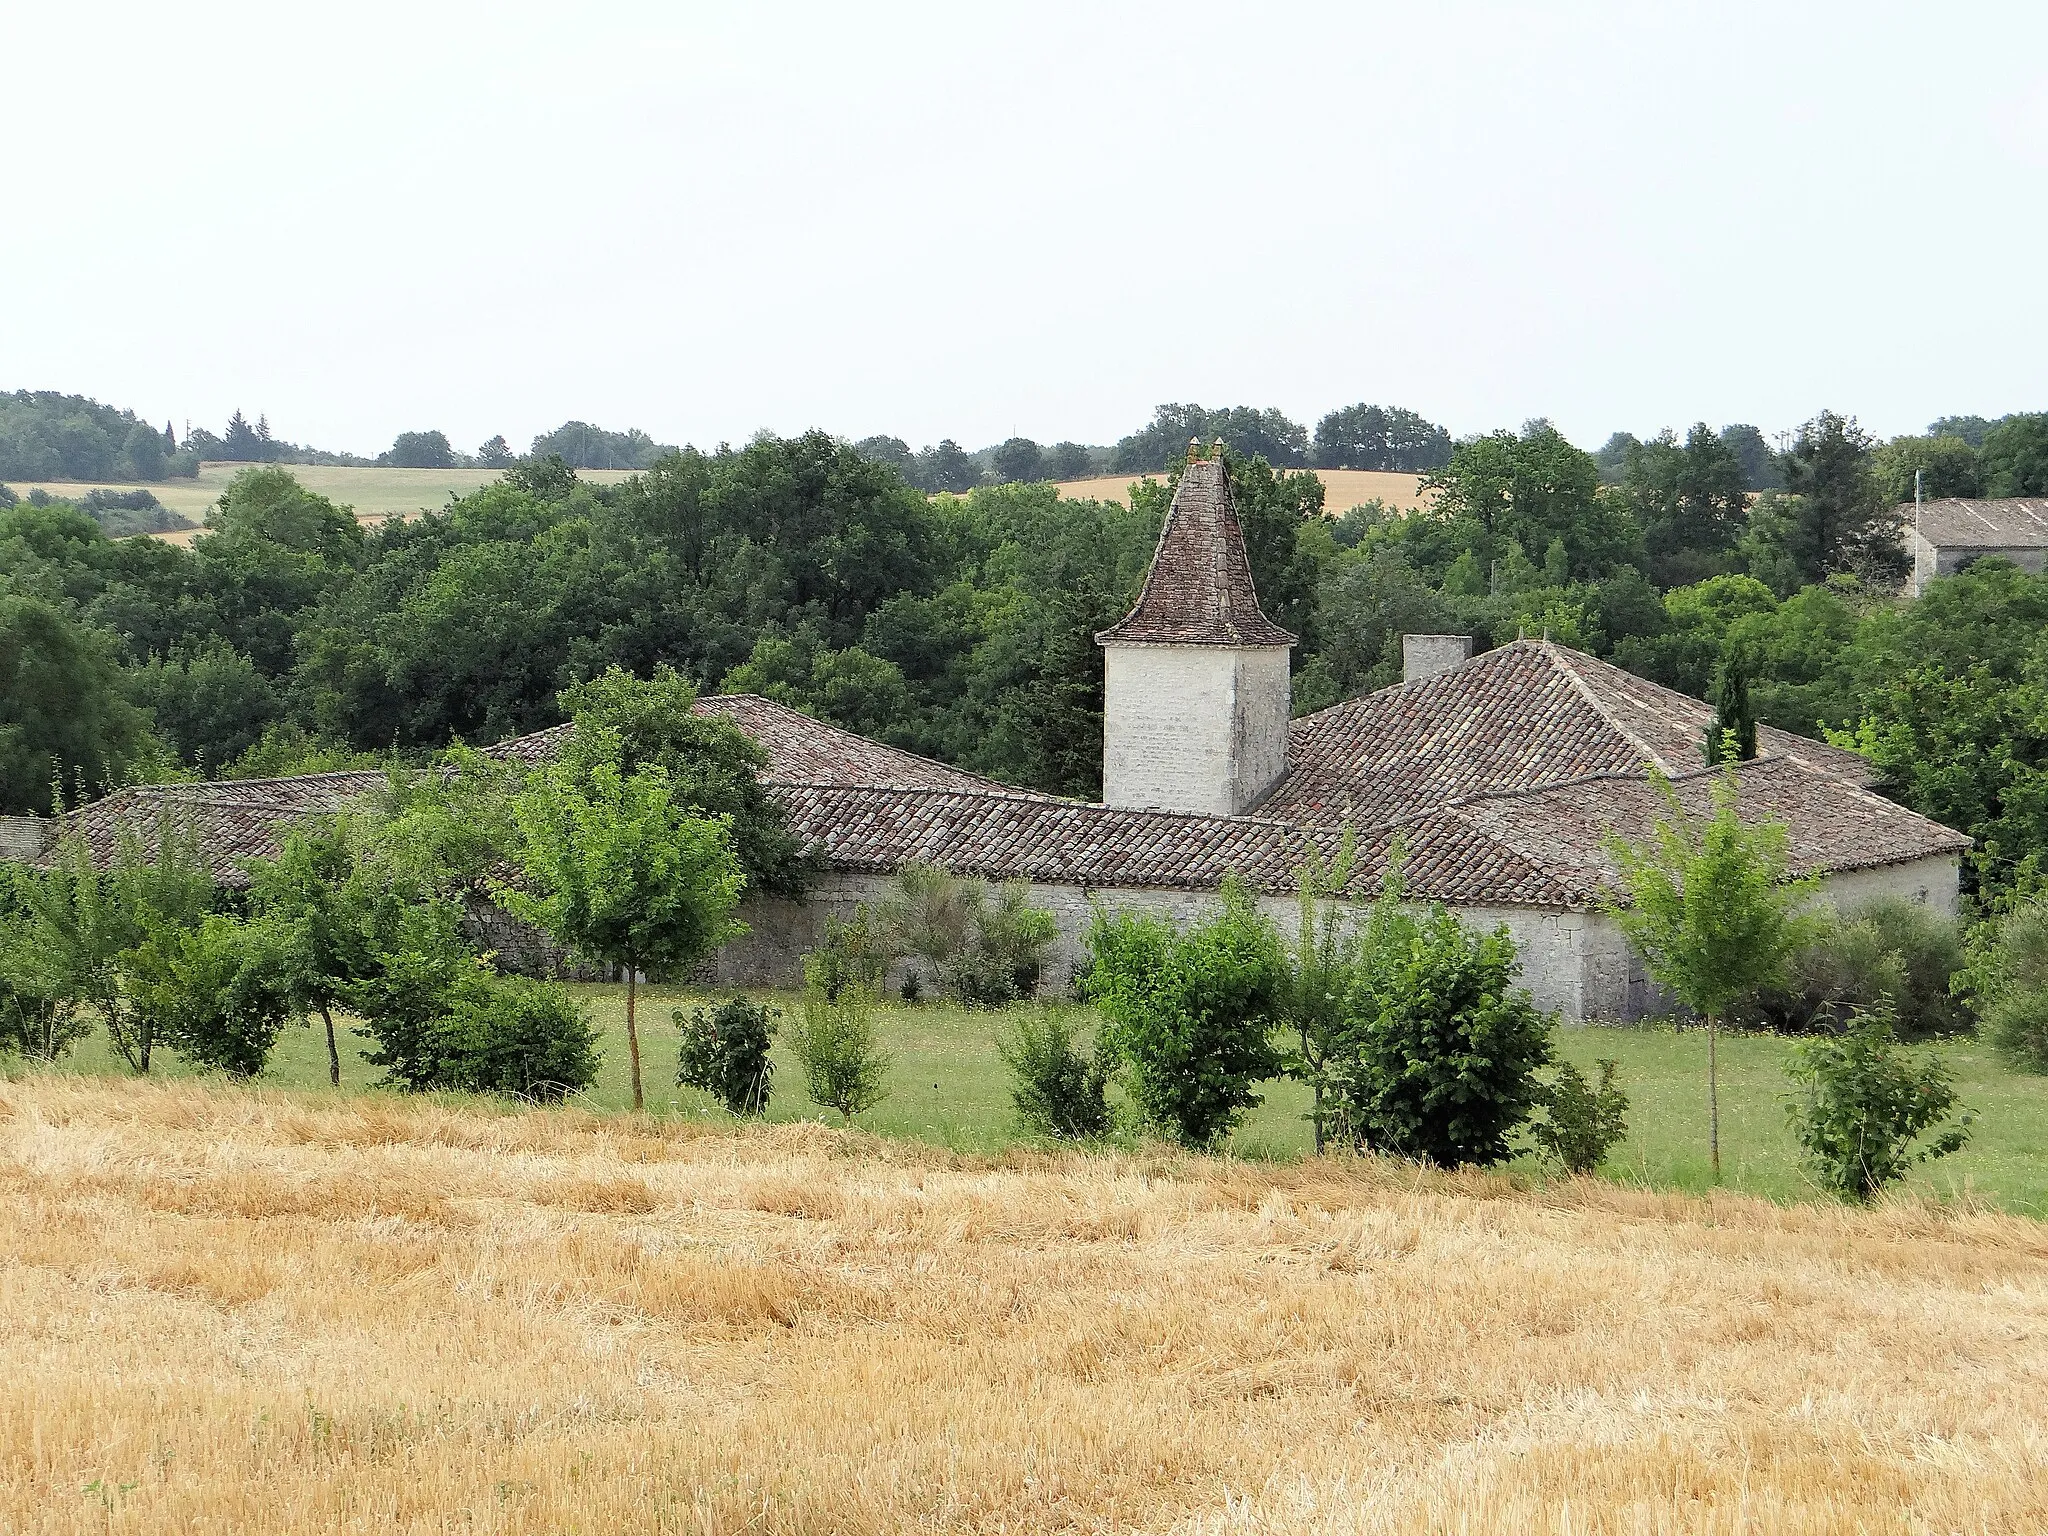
1343, 489
380, 493
255, 1310
374, 493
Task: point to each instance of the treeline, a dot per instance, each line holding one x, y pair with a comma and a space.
1356, 437
964, 627
49, 436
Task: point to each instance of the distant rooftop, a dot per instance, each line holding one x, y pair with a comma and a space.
2014, 522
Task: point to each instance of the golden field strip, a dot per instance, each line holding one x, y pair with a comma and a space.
374, 493
377, 494
1343, 489
230, 1309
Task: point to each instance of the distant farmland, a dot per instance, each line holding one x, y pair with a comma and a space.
1343, 489
375, 493
378, 493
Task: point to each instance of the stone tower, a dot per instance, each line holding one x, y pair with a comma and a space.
1195, 695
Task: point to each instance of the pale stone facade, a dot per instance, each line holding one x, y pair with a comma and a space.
1576, 963
1426, 655
1199, 728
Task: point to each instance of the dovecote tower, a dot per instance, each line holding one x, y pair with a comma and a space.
1196, 691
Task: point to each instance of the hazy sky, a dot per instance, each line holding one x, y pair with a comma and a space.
970, 220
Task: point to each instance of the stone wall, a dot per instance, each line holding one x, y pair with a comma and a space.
1574, 962
1198, 728
1932, 560
1577, 963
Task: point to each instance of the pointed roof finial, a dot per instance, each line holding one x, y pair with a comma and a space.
1194, 450
1199, 590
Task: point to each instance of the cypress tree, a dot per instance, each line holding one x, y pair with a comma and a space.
1734, 722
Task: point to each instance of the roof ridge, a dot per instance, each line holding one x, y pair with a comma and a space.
1032, 797
1551, 652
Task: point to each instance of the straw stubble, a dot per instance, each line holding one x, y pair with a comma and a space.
235, 1310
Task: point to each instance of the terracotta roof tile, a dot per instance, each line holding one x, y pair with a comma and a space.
2014, 522
1528, 714
800, 750
1502, 777
1199, 590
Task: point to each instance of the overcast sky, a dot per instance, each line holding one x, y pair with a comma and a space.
973, 220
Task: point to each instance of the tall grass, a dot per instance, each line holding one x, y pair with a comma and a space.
266, 1311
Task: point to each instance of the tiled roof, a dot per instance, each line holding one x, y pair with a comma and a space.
1529, 714
235, 820
1831, 824
2016, 522
800, 750
1199, 590
1502, 777
1069, 842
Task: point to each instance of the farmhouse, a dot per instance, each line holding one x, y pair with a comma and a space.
1944, 536
1495, 779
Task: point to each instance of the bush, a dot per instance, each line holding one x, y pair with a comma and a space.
515, 1036
1010, 940
725, 1053
1893, 955
1580, 1121
1863, 1102
1930, 951
852, 958
1190, 1014
984, 947
2014, 982
835, 1045
415, 979
214, 993
1439, 1051
1058, 1089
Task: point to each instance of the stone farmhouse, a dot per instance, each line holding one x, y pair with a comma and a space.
1944, 536
1500, 776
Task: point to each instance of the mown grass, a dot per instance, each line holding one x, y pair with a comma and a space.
948, 1087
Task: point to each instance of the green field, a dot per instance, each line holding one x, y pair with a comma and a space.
374, 493
948, 1087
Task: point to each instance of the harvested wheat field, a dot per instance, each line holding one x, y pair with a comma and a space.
253, 1311
1343, 489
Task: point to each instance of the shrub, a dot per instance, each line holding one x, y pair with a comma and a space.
2014, 980
1190, 1014
1930, 951
1010, 940
1863, 1102
725, 1053
215, 993
1893, 954
1580, 1121
853, 957
412, 981
1058, 1089
835, 1045
1438, 1056
984, 947
515, 1036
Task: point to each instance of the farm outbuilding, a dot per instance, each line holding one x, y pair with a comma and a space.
1498, 777
1944, 536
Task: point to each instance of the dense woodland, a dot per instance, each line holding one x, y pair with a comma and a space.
288, 637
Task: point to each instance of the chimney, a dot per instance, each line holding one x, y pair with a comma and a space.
1426, 655
21, 838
